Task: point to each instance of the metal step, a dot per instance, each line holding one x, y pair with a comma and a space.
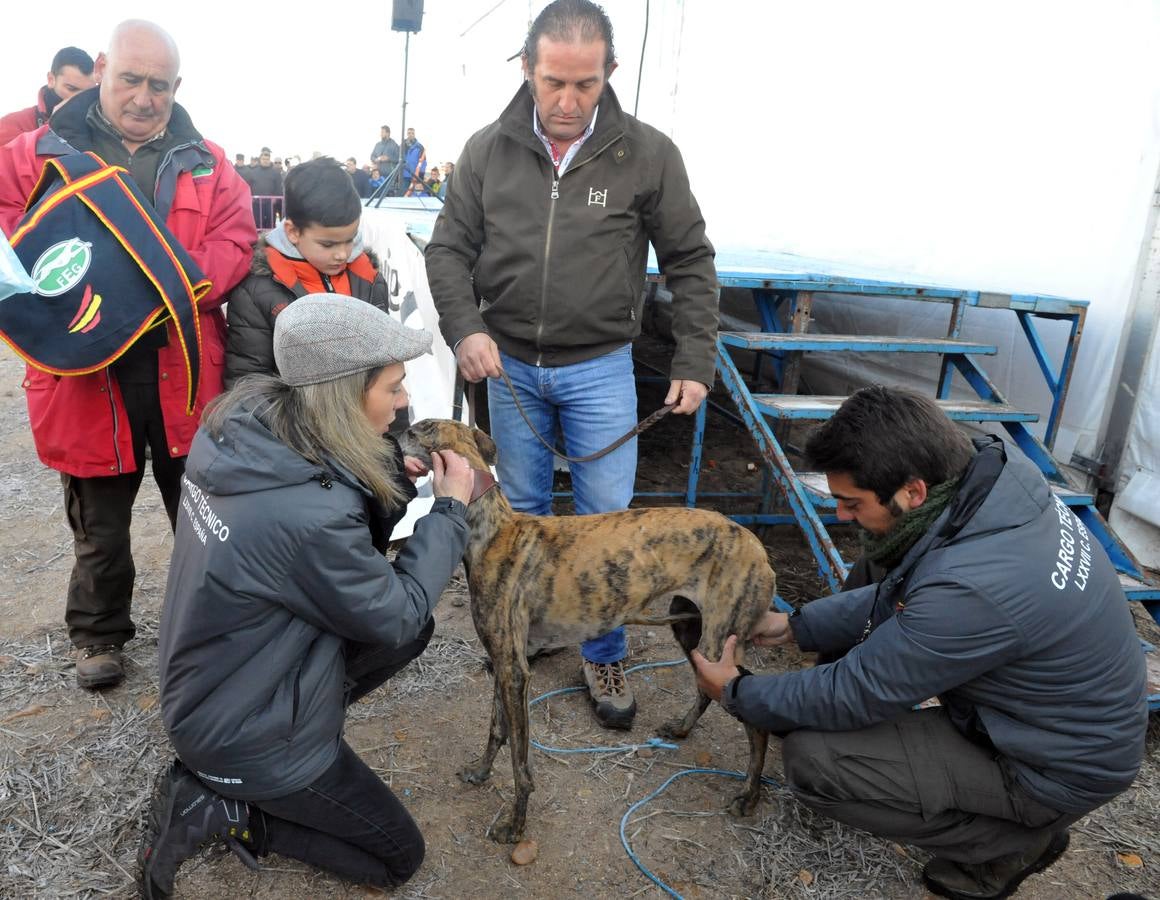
806, 407
1137, 589
1152, 669
1071, 496
752, 340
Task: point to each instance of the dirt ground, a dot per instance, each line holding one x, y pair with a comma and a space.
77, 767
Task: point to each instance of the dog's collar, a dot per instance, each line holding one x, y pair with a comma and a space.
484, 482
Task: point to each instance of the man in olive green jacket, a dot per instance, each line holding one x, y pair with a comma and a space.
537, 264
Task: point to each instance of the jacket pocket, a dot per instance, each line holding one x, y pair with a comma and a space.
189, 210
633, 290
281, 714
296, 696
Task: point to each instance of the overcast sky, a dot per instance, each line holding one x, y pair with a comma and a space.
304, 77
983, 142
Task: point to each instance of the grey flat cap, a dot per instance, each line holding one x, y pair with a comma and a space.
321, 337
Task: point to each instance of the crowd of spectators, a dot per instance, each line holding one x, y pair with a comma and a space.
391, 170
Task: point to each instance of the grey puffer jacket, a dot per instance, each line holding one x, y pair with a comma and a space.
274, 569
1010, 612
558, 262
270, 287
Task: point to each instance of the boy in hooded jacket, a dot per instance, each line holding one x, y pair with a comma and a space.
315, 249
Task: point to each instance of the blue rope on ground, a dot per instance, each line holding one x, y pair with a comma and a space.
624, 748
651, 743
639, 803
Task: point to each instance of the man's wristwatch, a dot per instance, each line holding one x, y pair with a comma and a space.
742, 672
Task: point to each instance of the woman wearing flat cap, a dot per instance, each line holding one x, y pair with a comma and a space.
281, 609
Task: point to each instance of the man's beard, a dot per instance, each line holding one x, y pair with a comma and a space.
897, 513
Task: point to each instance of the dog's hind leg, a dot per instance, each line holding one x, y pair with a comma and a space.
498, 733
687, 631
510, 828
746, 802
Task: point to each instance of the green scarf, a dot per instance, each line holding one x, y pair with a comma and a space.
888, 549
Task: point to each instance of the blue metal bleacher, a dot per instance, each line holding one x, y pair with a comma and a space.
784, 289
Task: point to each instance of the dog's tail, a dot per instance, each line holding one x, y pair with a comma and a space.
663, 620
685, 619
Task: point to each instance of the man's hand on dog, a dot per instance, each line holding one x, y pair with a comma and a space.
478, 357
713, 676
687, 395
772, 630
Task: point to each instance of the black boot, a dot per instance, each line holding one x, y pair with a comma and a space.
997, 878
185, 816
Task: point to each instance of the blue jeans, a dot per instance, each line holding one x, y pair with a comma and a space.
592, 403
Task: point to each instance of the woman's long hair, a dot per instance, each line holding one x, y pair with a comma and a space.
320, 422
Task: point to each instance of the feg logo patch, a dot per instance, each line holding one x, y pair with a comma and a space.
61, 266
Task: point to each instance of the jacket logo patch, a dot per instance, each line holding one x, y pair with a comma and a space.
597, 198
202, 171
277, 308
61, 266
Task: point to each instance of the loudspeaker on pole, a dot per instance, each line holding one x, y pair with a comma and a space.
406, 15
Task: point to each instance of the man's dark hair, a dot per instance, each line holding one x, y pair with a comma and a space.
72, 56
386, 128
883, 437
571, 21
320, 192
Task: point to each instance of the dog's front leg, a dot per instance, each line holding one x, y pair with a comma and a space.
481, 770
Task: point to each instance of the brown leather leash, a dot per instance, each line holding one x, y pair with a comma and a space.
641, 426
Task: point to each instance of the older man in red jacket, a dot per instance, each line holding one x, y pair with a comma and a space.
94, 429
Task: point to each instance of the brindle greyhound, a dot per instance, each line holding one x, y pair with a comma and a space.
582, 576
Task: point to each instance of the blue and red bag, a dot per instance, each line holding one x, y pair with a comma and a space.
106, 270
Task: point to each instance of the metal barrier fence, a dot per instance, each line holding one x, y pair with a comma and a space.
267, 212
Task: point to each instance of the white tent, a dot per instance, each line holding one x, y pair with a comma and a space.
989, 145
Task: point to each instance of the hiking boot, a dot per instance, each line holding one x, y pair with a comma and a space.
609, 690
995, 878
185, 816
99, 666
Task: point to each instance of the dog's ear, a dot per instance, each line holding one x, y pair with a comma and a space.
486, 446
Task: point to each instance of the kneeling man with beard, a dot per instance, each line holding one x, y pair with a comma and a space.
977, 586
